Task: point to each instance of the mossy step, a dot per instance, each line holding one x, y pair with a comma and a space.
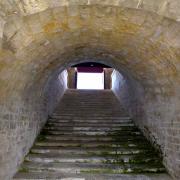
89, 176
116, 141
92, 168
100, 117
91, 135
92, 144
115, 134
90, 150
89, 129
120, 133
92, 106
90, 158
90, 111
88, 139
84, 114
88, 123
62, 115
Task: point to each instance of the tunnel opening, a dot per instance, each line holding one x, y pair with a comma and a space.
92, 126
90, 80
36, 46
90, 75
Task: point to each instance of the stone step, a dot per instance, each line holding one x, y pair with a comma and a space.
92, 116
78, 168
77, 126
87, 129
87, 123
85, 138
90, 150
90, 119
83, 123
91, 133
94, 109
90, 107
112, 159
81, 101
130, 143
83, 120
90, 176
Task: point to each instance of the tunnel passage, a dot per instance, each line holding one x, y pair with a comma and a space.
38, 45
91, 136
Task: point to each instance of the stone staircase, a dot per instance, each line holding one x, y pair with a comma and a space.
90, 136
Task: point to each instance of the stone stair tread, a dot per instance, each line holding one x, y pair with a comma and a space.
123, 131
90, 114
89, 155
85, 139
70, 176
108, 136
96, 142
103, 129
77, 167
89, 150
91, 138
90, 133
101, 158
90, 123
56, 144
61, 115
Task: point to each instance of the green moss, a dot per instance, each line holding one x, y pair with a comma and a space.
124, 170
102, 171
32, 152
41, 137
23, 169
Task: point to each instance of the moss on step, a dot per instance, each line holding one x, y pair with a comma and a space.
23, 170
41, 137
124, 170
102, 171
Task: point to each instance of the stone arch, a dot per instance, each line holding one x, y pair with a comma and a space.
141, 44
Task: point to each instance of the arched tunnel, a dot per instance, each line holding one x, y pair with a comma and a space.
41, 38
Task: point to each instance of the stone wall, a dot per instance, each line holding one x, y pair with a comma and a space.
72, 78
107, 78
156, 115
168, 8
129, 92
55, 90
40, 40
21, 119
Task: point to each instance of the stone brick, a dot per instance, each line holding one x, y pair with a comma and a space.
39, 39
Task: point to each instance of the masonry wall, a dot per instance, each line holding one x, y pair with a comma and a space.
133, 36
21, 119
107, 78
155, 114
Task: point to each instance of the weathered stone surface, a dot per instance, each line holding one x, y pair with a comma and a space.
42, 38
94, 135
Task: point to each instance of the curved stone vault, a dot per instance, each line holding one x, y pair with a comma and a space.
40, 39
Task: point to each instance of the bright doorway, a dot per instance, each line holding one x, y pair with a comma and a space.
90, 80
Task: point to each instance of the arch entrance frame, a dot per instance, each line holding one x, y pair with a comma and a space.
141, 45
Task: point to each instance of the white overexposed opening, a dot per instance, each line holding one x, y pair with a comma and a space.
90, 80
